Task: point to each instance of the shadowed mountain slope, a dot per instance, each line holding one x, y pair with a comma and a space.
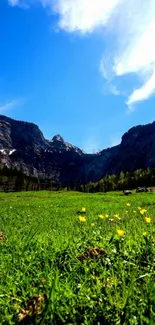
22, 145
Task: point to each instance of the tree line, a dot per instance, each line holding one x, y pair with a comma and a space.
123, 181
12, 179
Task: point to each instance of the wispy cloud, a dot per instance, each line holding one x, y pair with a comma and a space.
130, 25
142, 93
91, 144
14, 2
110, 89
9, 105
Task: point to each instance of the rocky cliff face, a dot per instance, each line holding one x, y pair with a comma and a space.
5, 135
137, 149
23, 145
21, 135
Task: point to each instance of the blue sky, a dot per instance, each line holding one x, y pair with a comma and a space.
83, 69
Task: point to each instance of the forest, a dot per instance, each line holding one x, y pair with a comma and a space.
13, 180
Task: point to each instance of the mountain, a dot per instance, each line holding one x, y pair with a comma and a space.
22, 145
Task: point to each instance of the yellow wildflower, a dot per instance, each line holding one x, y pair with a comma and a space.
117, 216
92, 224
139, 208
147, 219
83, 209
145, 234
120, 232
101, 216
82, 219
128, 204
142, 211
107, 215
134, 211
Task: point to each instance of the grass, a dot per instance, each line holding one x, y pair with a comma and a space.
49, 272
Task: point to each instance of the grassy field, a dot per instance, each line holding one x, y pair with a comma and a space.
59, 265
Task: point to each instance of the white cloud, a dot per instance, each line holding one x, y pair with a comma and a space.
131, 27
135, 50
84, 15
81, 15
133, 23
9, 105
142, 93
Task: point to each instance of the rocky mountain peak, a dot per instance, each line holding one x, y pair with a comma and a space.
58, 137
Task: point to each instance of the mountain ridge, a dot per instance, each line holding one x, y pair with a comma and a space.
23, 145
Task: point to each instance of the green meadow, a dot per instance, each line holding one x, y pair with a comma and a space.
75, 258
